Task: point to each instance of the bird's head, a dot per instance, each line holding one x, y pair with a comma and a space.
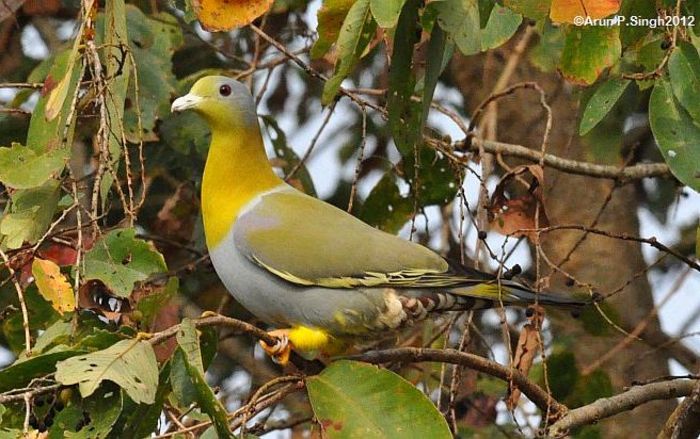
224, 102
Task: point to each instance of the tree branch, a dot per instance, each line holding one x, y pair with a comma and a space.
606, 407
633, 172
414, 355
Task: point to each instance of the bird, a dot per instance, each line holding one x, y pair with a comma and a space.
317, 274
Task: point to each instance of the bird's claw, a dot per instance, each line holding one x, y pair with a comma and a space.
281, 350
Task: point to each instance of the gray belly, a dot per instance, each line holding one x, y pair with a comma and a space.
283, 304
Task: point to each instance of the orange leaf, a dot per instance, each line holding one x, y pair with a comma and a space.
224, 15
528, 345
564, 11
53, 285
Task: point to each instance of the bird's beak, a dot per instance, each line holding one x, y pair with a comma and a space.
185, 102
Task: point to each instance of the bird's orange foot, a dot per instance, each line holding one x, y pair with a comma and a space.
282, 349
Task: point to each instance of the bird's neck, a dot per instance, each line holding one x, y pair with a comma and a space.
237, 170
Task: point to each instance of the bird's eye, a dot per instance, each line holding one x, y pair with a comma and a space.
225, 90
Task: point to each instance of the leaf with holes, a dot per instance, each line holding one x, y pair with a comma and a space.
565, 11
352, 399
131, 364
119, 260
354, 37
53, 285
676, 133
22, 167
103, 409
600, 104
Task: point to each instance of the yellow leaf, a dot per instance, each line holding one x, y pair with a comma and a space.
223, 15
53, 285
564, 11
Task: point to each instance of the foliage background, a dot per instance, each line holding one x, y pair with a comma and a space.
101, 209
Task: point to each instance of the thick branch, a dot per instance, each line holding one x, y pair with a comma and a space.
606, 407
634, 172
412, 355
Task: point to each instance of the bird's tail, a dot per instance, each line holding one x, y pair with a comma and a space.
508, 292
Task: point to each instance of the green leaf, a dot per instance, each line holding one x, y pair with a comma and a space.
30, 214
684, 70
41, 316
104, 408
502, 24
21, 372
535, 9
676, 134
546, 54
131, 364
119, 260
591, 387
152, 42
330, 19
355, 34
460, 19
437, 181
45, 135
562, 373
644, 9
206, 398
435, 63
386, 12
140, 420
354, 400
588, 51
23, 168
189, 353
112, 33
404, 113
183, 388
600, 104
58, 333
385, 207
188, 339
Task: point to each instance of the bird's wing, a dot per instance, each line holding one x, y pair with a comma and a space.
309, 242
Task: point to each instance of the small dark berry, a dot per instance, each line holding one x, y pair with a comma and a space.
569, 282
482, 235
516, 269
665, 44
529, 312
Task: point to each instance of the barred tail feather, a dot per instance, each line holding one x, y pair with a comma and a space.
514, 293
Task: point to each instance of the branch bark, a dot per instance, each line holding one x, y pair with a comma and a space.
626, 173
606, 407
